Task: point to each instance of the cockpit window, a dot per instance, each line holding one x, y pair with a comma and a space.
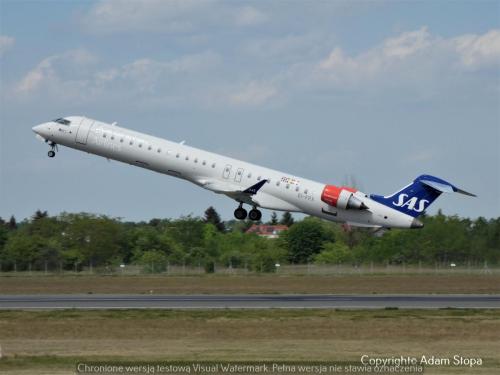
62, 121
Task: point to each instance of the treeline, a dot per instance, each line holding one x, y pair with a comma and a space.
75, 241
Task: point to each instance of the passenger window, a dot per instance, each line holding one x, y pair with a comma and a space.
249, 175
149, 148
297, 188
121, 140
140, 144
159, 150
112, 137
204, 162
258, 178
287, 186
131, 143
213, 165
177, 156
196, 160
104, 135
305, 191
187, 157
277, 183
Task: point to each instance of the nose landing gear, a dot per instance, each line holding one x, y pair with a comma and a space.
241, 214
53, 149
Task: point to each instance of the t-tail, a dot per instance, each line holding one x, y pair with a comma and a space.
414, 198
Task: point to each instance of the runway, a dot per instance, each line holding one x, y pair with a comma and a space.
247, 301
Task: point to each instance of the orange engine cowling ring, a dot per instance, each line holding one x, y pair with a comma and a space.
341, 197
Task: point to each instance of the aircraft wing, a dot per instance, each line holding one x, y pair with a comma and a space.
233, 191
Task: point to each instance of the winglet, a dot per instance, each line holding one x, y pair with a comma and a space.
252, 190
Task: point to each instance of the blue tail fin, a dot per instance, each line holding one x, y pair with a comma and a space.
414, 198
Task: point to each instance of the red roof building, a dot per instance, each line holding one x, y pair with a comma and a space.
268, 231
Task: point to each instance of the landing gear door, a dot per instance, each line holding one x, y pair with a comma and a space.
83, 131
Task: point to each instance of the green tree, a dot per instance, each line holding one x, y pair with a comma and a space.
187, 232
40, 215
334, 253
155, 222
274, 219
212, 217
12, 224
34, 244
211, 240
146, 237
238, 225
3, 237
97, 239
152, 261
305, 239
30, 250
209, 266
287, 219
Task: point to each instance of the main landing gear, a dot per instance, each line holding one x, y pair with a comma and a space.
53, 149
241, 214
254, 214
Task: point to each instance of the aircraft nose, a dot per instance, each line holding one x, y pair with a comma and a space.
38, 128
43, 130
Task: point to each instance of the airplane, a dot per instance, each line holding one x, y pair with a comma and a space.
247, 183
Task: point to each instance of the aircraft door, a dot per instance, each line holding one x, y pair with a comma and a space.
227, 171
239, 175
83, 131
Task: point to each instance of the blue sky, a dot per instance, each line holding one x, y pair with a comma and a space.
378, 91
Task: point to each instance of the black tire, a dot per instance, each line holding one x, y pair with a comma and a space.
240, 213
255, 215
51, 154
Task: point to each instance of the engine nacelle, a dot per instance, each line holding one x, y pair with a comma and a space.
342, 197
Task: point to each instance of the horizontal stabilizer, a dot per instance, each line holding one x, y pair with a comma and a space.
465, 193
445, 187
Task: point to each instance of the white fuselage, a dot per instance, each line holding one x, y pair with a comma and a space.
283, 192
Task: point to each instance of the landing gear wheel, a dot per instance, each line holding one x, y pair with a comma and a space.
240, 213
255, 215
53, 148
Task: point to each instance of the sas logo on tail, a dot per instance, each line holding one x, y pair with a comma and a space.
411, 203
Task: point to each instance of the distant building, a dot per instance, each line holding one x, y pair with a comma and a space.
268, 231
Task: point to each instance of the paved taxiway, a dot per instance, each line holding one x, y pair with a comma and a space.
247, 301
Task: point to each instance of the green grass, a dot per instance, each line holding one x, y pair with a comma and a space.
52, 342
245, 314
262, 284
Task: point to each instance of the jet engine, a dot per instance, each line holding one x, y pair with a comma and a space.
342, 197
